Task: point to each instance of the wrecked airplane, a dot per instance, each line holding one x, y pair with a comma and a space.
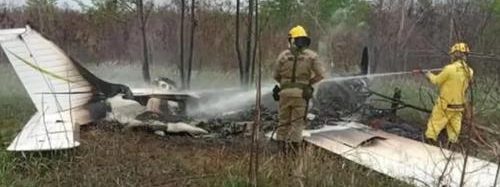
67, 95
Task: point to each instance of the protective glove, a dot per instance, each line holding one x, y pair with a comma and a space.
276, 93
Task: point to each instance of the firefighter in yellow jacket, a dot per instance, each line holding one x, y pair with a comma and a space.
296, 70
452, 81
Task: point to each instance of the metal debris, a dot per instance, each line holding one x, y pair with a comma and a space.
334, 101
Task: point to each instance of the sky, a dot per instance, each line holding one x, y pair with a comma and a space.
62, 3
73, 4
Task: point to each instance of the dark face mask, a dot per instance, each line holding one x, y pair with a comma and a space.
458, 56
301, 42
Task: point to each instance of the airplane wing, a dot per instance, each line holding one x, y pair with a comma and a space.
142, 93
408, 160
55, 86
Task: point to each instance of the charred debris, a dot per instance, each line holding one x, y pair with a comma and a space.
334, 102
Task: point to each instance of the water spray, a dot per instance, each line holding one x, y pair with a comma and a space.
336, 79
242, 98
231, 102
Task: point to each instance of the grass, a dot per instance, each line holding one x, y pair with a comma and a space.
413, 92
114, 158
136, 159
15, 105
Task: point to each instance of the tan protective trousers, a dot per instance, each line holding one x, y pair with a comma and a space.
291, 119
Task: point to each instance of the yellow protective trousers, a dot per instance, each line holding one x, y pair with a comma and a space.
291, 119
444, 117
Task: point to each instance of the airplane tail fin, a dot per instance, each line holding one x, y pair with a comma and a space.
53, 83
55, 86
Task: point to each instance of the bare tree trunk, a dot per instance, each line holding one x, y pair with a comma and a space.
452, 24
249, 41
402, 22
399, 45
237, 43
145, 64
256, 38
254, 148
181, 45
254, 151
191, 45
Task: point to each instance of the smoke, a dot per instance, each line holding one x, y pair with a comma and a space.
218, 102
214, 101
129, 75
220, 98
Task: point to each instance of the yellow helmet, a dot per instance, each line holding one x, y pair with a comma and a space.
297, 31
460, 47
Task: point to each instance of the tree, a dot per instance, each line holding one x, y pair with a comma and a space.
42, 14
143, 18
251, 41
283, 12
256, 39
237, 43
117, 10
191, 43
181, 43
248, 59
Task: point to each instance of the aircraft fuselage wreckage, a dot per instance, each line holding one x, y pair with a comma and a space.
66, 95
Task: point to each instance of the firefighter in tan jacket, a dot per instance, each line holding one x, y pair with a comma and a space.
296, 70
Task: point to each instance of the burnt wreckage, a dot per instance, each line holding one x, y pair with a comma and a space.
66, 96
